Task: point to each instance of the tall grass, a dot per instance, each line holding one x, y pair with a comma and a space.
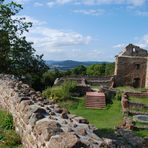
8, 137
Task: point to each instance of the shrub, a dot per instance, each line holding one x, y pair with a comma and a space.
68, 88
6, 120
62, 92
47, 93
118, 96
8, 137
11, 138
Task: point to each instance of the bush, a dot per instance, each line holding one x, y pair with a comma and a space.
47, 92
68, 88
62, 92
8, 137
6, 120
11, 138
118, 96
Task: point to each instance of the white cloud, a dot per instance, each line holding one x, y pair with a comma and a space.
119, 46
22, 1
78, 54
96, 12
142, 13
37, 4
48, 37
51, 4
30, 19
140, 41
87, 2
143, 41
98, 2
137, 2
56, 43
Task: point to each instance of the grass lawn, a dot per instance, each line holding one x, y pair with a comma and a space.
139, 100
106, 118
131, 89
141, 133
95, 87
8, 137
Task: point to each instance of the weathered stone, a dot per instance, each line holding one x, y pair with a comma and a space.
81, 131
65, 140
45, 124
81, 120
52, 113
131, 67
23, 104
37, 109
58, 110
64, 116
65, 111
35, 117
109, 142
20, 99
45, 102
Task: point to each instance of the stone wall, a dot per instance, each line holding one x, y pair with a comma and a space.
127, 71
135, 94
43, 124
131, 67
84, 80
133, 50
128, 108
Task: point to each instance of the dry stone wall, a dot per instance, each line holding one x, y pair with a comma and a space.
43, 124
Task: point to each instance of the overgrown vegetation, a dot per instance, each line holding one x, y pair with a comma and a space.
8, 137
139, 100
61, 93
141, 133
130, 89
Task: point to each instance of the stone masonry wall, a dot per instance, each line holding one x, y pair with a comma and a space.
43, 124
126, 71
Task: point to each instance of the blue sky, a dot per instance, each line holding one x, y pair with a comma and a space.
85, 30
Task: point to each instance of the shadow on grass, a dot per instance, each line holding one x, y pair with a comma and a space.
105, 133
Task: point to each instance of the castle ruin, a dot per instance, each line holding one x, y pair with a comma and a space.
131, 67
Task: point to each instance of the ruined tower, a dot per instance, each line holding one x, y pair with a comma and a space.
131, 67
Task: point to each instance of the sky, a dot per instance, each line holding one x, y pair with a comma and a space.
85, 30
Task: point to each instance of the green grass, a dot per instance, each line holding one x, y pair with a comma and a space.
8, 137
131, 89
139, 100
141, 124
136, 109
95, 87
141, 133
106, 118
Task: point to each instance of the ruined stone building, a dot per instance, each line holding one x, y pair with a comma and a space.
131, 67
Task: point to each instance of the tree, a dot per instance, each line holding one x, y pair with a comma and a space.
109, 70
50, 76
79, 70
103, 69
96, 70
17, 56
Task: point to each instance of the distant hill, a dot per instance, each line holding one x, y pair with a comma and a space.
69, 64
